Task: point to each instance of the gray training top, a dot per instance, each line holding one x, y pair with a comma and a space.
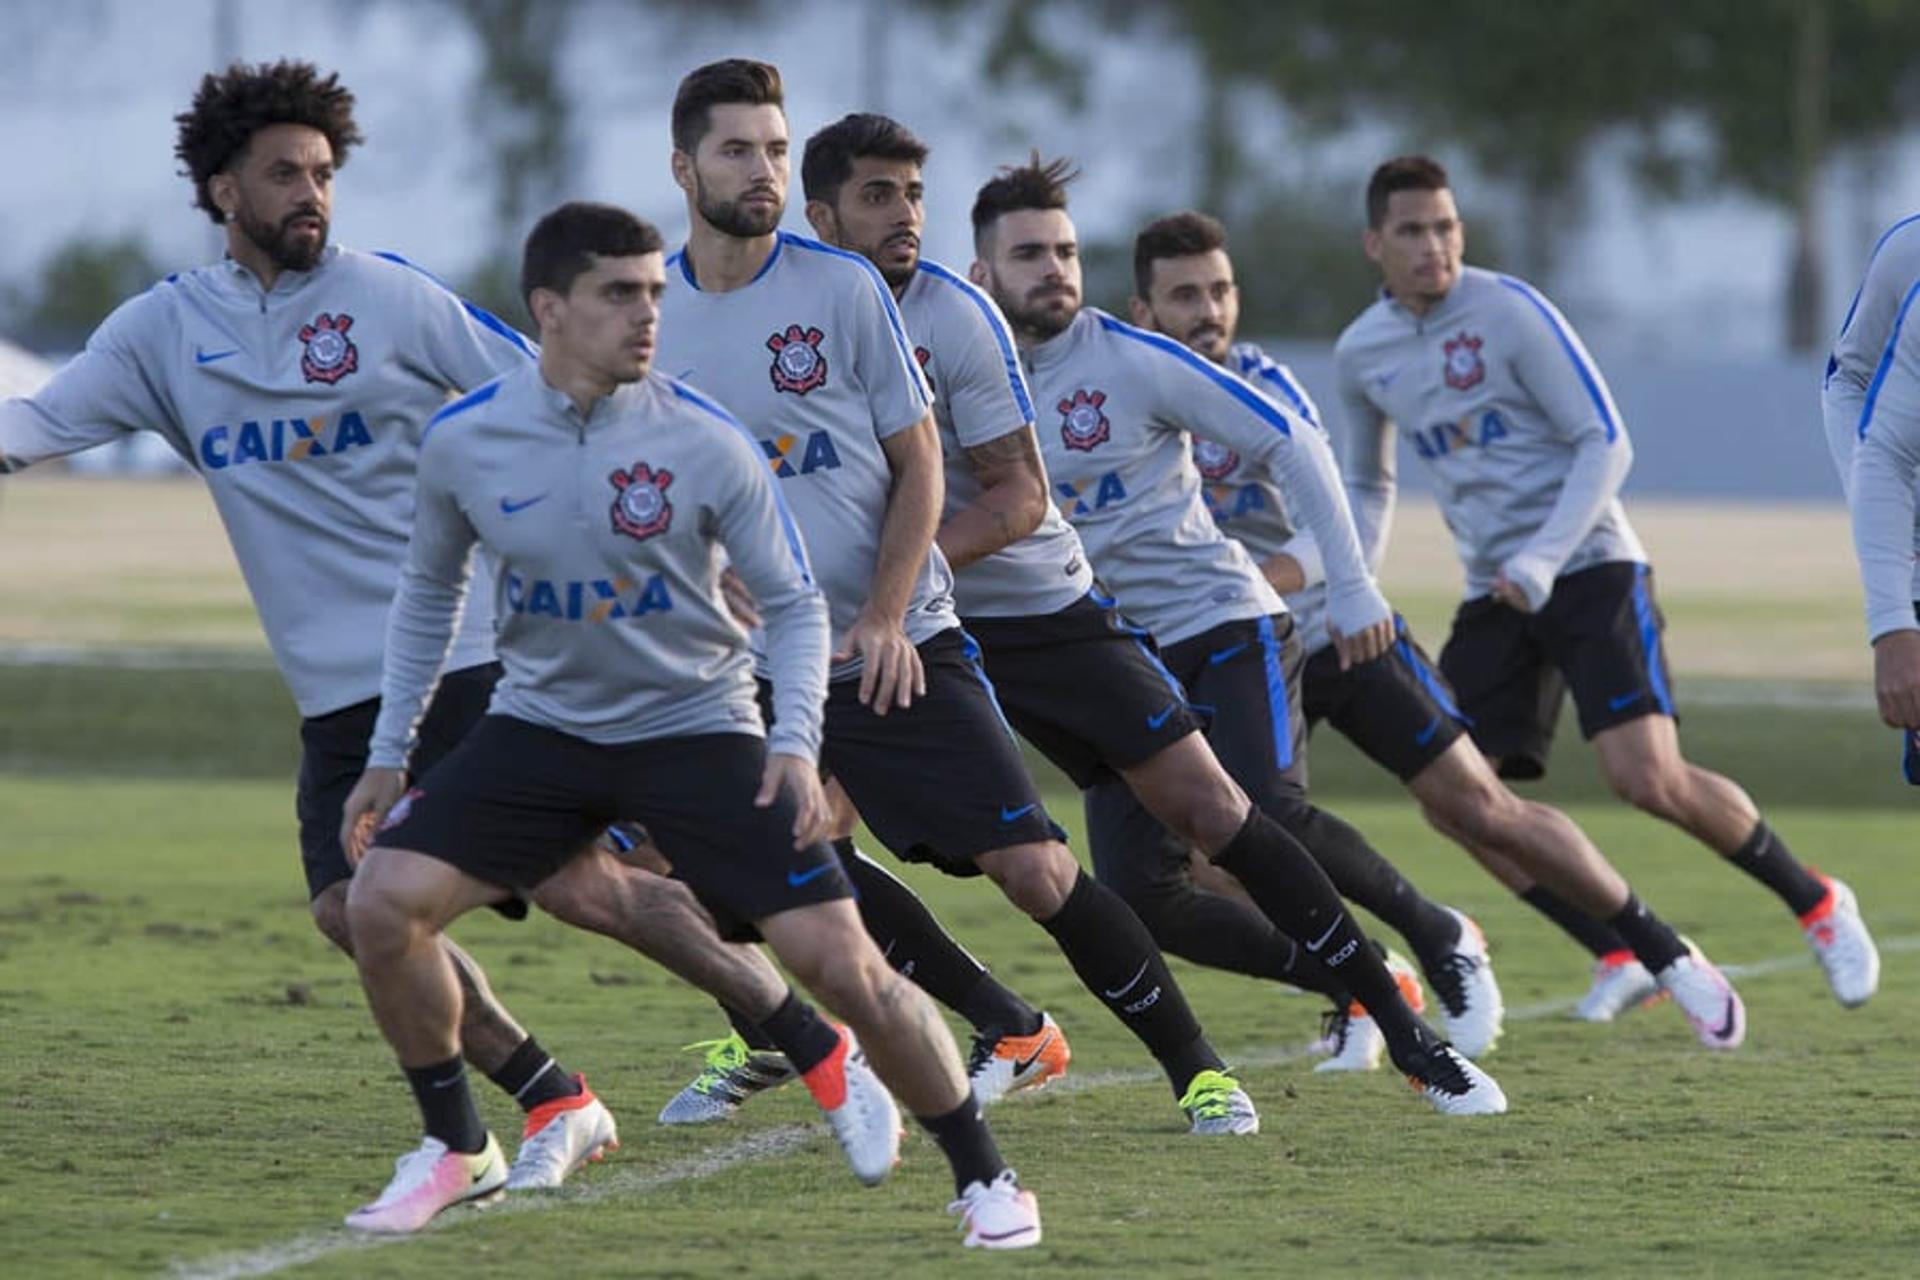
1503, 403
606, 536
980, 395
301, 407
1249, 507
812, 356
1865, 369
1116, 406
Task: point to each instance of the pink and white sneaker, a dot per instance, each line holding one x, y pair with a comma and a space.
429, 1179
998, 1214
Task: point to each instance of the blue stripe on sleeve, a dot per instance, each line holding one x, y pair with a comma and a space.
787, 525
483, 317
1233, 386
1589, 376
1886, 361
995, 323
1877, 246
478, 396
1256, 362
886, 298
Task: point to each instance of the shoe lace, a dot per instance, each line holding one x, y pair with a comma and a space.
1449, 980
1334, 1026
410, 1169
546, 1147
1442, 1071
981, 1053
1209, 1095
725, 1055
1005, 1183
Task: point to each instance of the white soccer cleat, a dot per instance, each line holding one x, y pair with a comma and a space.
732, 1074
1842, 945
1008, 1064
560, 1136
998, 1214
1353, 1040
1469, 994
1620, 983
428, 1179
1455, 1087
1707, 999
1216, 1105
859, 1110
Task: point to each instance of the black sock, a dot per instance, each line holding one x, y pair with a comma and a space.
924, 953
797, 1030
1116, 959
531, 1077
963, 1135
752, 1032
1650, 937
1767, 860
1225, 933
446, 1105
1288, 884
1367, 879
1589, 931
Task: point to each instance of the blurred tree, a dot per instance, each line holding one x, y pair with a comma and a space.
79, 283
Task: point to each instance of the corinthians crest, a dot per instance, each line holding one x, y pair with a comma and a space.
798, 365
642, 509
1082, 424
1214, 459
1464, 368
329, 355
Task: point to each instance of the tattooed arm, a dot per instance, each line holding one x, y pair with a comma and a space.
1012, 500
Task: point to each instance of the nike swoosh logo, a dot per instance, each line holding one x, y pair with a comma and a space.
1115, 995
1014, 815
1385, 379
1228, 654
208, 357
1625, 700
1425, 736
1725, 1029
1021, 1064
1322, 941
449, 1082
798, 878
1154, 722
508, 506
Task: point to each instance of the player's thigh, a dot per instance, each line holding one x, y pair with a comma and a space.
1504, 684
1605, 632
1397, 709
943, 780
1133, 853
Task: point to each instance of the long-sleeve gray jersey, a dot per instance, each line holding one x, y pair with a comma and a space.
1862, 350
1498, 396
963, 346
1249, 507
301, 407
1117, 404
606, 536
812, 356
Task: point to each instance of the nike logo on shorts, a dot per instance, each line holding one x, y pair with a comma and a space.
1014, 815
1622, 701
1425, 736
1228, 654
508, 506
1157, 721
798, 878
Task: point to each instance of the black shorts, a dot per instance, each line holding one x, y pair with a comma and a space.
515, 802
1396, 709
1598, 635
1085, 687
941, 781
333, 755
1243, 679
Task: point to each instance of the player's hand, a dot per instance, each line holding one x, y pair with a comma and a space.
1510, 595
1364, 645
1896, 678
1284, 573
377, 791
739, 601
892, 676
799, 777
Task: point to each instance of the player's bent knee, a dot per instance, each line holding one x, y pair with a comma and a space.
1647, 788
329, 911
1035, 877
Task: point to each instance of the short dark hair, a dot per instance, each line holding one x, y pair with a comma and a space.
562, 246
828, 160
1037, 184
1402, 173
731, 80
1178, 235
231, 107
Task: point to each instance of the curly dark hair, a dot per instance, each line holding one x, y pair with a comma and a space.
231, 107
1037, 184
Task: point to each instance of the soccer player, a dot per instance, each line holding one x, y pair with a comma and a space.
605, 497
1502, 402
1118, 459
1871, 399
1396, 709
294, 376
805, 343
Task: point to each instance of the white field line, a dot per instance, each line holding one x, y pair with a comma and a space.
772, 1144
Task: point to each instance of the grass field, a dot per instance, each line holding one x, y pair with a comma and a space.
191, 1085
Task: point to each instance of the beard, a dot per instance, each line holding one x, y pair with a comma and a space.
1042, 318
730, 217
277, 241
1208, 339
